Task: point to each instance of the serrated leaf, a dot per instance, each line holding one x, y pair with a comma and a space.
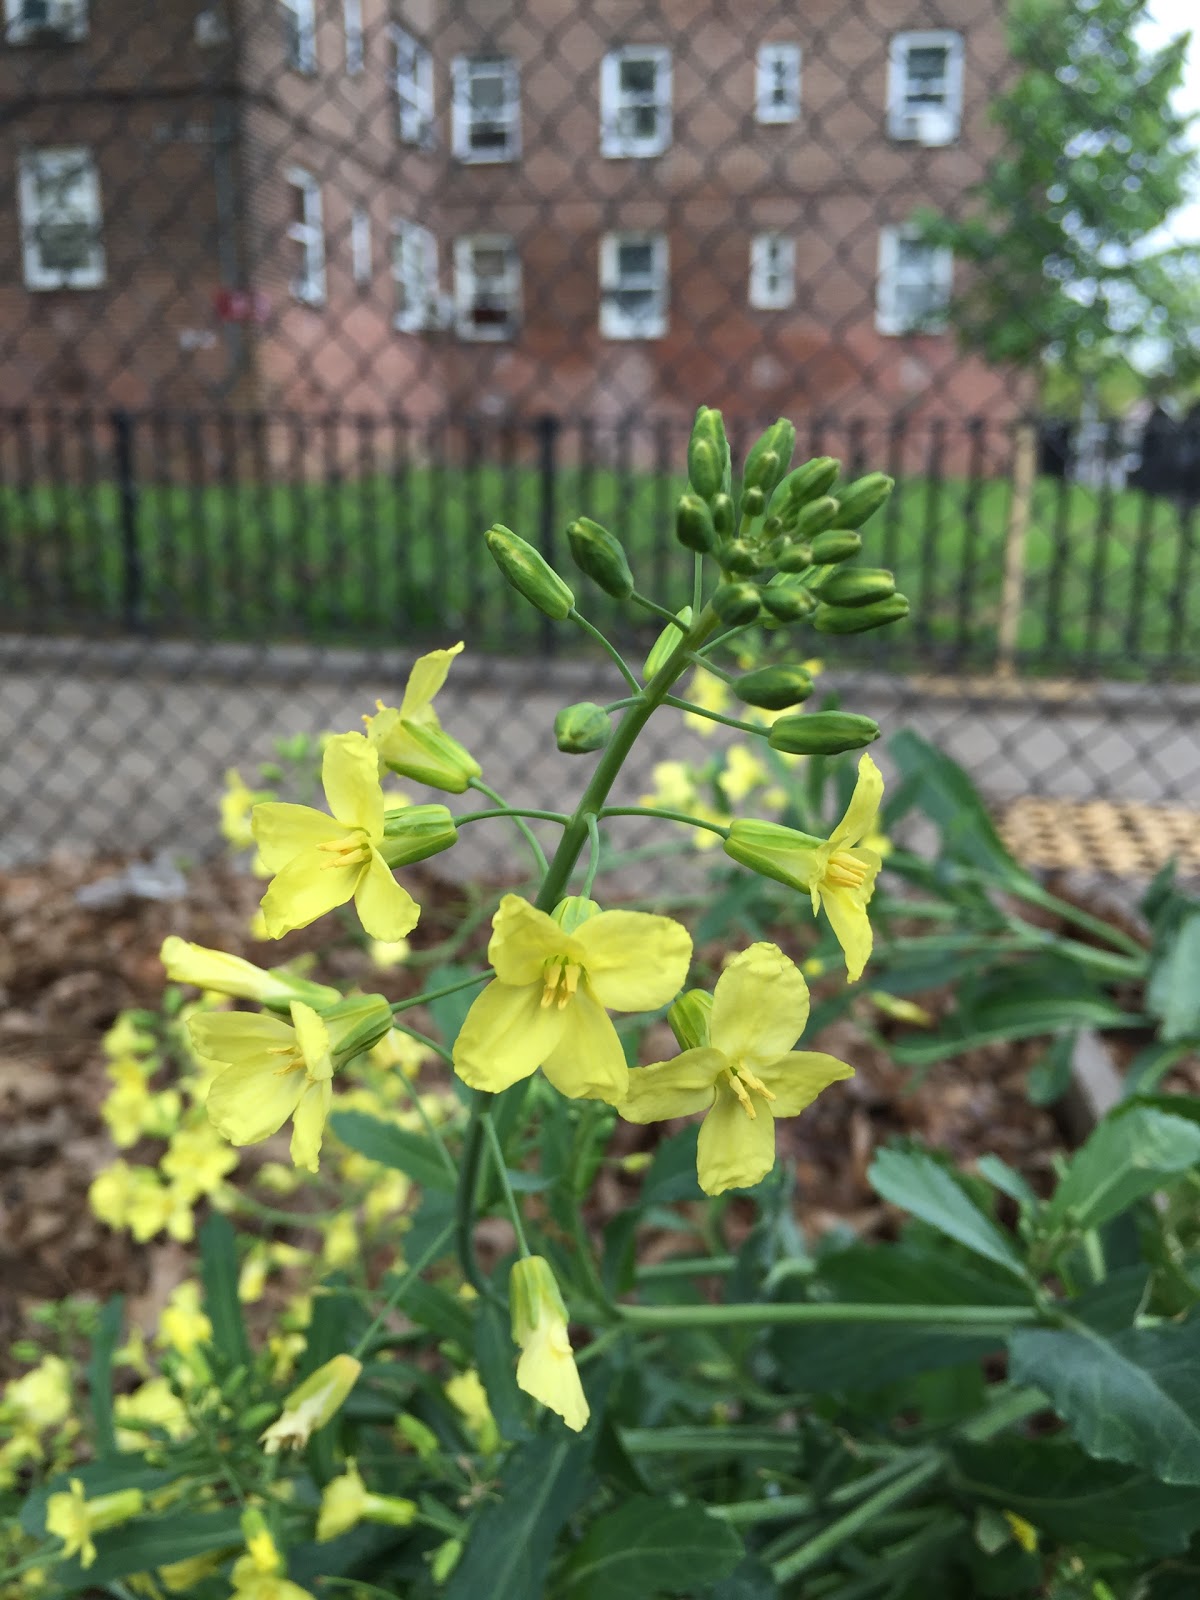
650, 1547
1125, 1157
397, 1148
219, 1274
1132, 1396
917, 1183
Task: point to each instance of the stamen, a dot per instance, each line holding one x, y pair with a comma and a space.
755, 1083
349, 851
845, 871
739, 1089
550, 983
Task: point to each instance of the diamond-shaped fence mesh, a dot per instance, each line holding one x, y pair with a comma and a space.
298, 296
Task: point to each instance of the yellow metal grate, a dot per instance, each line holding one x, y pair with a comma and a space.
1129, 840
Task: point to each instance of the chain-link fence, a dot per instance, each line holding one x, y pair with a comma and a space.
297, 296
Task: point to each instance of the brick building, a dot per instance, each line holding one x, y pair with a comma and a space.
597, 207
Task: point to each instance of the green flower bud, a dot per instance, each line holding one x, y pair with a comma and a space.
354, 1025
753, 502
694, 524
795, 558
581, 728
666, 642
600, 555
813, 518
689, 1017
773, 688
723, 516
428, 754
738, 556
528, 572
220, 973
822, 733
736, 603
863, 498
768, 457
708, 454
807, 482
861, 619
787, 599
835, 544
858, 586
415, 832
573, 911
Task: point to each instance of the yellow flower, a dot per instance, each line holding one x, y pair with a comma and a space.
183, 1325
151, 1409
132, 1109
347, 1501
554, 978
40, 1398
1024, 1532
236, 805
894, 1005
386, 1197
712, 693
675, 790
744, 1075
73, 1518
217, 972
401, 1050
127, 1037
197, 1161
411, 740
312, 1404
467, 1395
838, 872
133, 1197
743, 773
181, 1576
386, 954
322, 861
341, 1240
546, 1368
257, 1575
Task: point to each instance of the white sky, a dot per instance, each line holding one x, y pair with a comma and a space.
1172, 17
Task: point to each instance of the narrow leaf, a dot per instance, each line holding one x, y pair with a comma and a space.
411, 1153
99, 1373
219, 1272
916, 1182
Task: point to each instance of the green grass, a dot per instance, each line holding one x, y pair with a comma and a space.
1112, 581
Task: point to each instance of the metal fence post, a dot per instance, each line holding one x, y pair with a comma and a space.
127, 501
546, 428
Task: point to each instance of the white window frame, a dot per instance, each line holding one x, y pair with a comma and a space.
890, 317
300, 35
463, 70
769, 57
466, 286
361, 252
617, 102
616, 322
356, 45
772, 271
31, 166
64, 19
916, 121
308, 286
415, 274
413, 81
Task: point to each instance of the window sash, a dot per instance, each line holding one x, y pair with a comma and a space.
414, 89
633, 302
300, 34
352, 21
916, 282
26, 19
487, 305
61, 239
361, 263
772, 271
926, 109
635, 121
777, 85
308, 231
486, 133
414, 272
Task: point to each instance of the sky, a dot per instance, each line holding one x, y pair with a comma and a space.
1172, 17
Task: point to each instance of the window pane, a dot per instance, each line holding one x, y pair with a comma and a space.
639, 77
490, 263
65, 246
487, 92
635, 260
927, 72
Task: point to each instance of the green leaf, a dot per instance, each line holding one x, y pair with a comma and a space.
508, 1550
1132, 1396
147, 1543
219, 1273
1001, 1176
445, 1315
1151, 1065
1021, 1018
672, 1174
918, 1183
99, 1374
449, 1012
1113, 1304
411, 1153
1050, 1076
1173, 994
650, 1547
1125, 1157
948, 797
495, 1357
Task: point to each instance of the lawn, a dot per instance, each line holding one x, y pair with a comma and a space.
1112, 582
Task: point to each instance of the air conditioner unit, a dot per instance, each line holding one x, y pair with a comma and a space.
933, 125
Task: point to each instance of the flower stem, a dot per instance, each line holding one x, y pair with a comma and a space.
824, 1543
715, 716
510, 1199
423, 1038
430, 1253
667, 816
522, 827
654, 607
998, 1319
436, 994
622, 665
594, 857
509, 811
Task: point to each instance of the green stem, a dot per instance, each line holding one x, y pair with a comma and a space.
653, 606
827, 1541
436, 994
1037, 896
618, 659
619, 705
430, 1253
594, 856
510, 1199
523, 828
468, 1184
999, 1319
685, 1267
708, 666
434, 1132
1011, 1407
715, 716
697, 583
723, 638
666, 816
508, 811
423, 1038
292, 1219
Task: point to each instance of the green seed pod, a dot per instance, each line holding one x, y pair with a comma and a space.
736, 603
768, 457
858, 586
601, 556
723, 515
708, 454
773, 688
694, 524
738, 556
807, 482
788, 600
795, 558
861, 619
835, 544
862, 498
581, 728
822, 733
753, 502
813, 518
528, 572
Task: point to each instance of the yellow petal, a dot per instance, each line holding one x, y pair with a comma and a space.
507, 1034
674, 1088
250, 1102
426, 678
308, 887
635, 961
587, 1062
798, 1078
547, 1371
524, 939
234, 1038
385, 907
350, 776
760, 1006
309, 1124
734, 1151
313, 1038
848, 918
282, 832
860, 816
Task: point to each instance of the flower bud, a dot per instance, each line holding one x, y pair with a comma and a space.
774, 851
694, 524
787, 599
665, 644
768, 457
689, 1017
773, 688
753, 503
806, 482
708, 454
861, 619
581, 728
312, 1404
837, 544
722, 509
858, 586
600, 555
416, 832
863, 498
547, 1368
528, 572
355, 1025
736, 603
738, 556
822, 733
220, 973
813, 518
795, 558
573, 911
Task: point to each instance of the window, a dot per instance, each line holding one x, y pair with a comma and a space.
414, 89
925, 87
27, 21
360, 246
355, 49
772, 271
59, 193
307, 230
487, 287
777, 88
633, 285
487, 108
415, 270
300, 34
915, 283
635, 101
